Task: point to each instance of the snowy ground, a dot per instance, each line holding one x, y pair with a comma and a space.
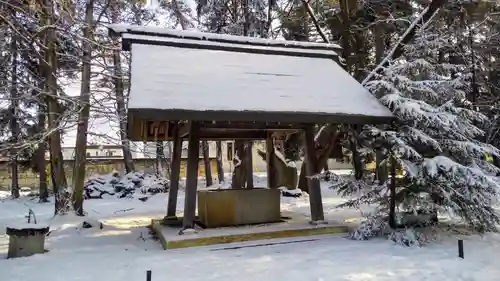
123, 250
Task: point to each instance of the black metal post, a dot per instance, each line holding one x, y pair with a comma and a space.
461, 249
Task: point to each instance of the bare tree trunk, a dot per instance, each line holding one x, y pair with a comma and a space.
180, 16
220, 167
249, 164
357, 161
381, 170
160, 157
14, 126
346, 33
83, 119
378, 34
54, 112
119, 89
238, 180
206, 163
346, 54
42, 173
325, 143
168, 160
246, 15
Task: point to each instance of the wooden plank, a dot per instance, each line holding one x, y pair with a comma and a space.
228, 134
250, 125
251, 234
283, 117
315, 200
184, 129
150, 128
264, 235
264, 244
191, 176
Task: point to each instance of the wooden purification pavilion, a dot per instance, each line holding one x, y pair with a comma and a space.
196, 86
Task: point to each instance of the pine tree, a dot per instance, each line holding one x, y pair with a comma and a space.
437, 139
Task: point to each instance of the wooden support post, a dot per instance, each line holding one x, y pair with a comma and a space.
271, 176
315, 200
175, 170
249, 164
191, 175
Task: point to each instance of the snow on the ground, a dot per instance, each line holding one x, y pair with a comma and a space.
123, 250
122, 256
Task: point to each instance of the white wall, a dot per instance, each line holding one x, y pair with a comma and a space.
102, 152
149, 151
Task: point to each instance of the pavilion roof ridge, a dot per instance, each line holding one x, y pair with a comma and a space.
155, 31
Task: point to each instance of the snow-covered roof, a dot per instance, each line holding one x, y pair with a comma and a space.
185, 78
131, 33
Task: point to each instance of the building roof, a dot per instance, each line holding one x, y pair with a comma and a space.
181, 75
165, 36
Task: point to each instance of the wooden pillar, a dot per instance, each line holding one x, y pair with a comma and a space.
249, 164
271, 176
175, 170
315, 200
191, 175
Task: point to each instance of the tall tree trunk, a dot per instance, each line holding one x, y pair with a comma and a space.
246, 15
325, 142
378, 34
347, 48
83, 118
54, 111
220, 167
119, 92
357, 161
346, 33
160, 159
42, 165
14, 126
362, 56
238, 180
206, 163
381, 170
249, 164
168, 160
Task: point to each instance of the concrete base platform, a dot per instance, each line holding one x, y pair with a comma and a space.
171, 239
